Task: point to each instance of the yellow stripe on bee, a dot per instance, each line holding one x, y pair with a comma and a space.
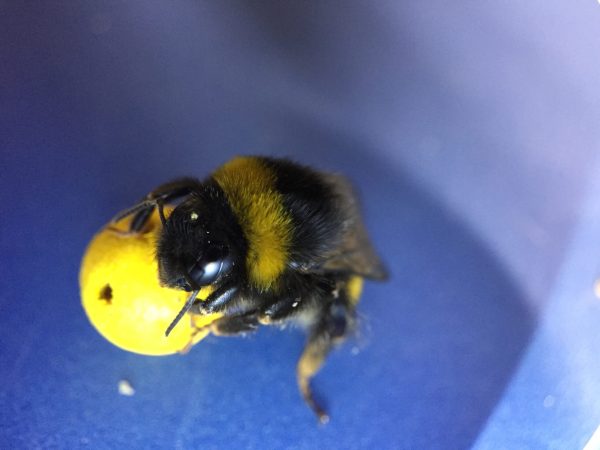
354, 288
250, 189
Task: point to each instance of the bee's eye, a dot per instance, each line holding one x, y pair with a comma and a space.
215, 262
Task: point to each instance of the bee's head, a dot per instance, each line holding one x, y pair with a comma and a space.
193, 250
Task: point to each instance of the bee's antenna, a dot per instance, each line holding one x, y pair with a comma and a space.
186, 308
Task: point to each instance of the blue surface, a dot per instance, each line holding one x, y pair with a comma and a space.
558, 380
485, 333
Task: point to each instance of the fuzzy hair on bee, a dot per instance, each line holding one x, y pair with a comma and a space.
276, 241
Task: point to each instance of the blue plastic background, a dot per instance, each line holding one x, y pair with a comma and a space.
472, 133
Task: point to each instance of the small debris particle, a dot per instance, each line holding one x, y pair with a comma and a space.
125, 388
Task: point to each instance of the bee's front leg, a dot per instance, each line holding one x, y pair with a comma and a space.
165, 193
219, 300
237, 318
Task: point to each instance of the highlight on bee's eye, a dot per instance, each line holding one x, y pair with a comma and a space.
270, 244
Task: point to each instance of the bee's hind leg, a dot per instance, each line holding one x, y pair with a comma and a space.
330, 329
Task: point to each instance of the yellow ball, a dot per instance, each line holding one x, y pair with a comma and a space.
122, 297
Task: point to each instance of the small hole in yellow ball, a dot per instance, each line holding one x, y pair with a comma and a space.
106, 293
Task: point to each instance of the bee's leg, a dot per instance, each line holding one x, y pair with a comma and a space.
237, 318
279, 310
163, 194
329, 330
140, 219
219, 300
235, 325
226, 326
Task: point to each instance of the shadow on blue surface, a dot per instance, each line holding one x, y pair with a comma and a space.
441, 338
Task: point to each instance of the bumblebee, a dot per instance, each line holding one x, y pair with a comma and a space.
276, 242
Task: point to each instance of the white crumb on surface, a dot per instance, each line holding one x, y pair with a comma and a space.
125, 388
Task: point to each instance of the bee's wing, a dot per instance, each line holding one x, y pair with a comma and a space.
355, 253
